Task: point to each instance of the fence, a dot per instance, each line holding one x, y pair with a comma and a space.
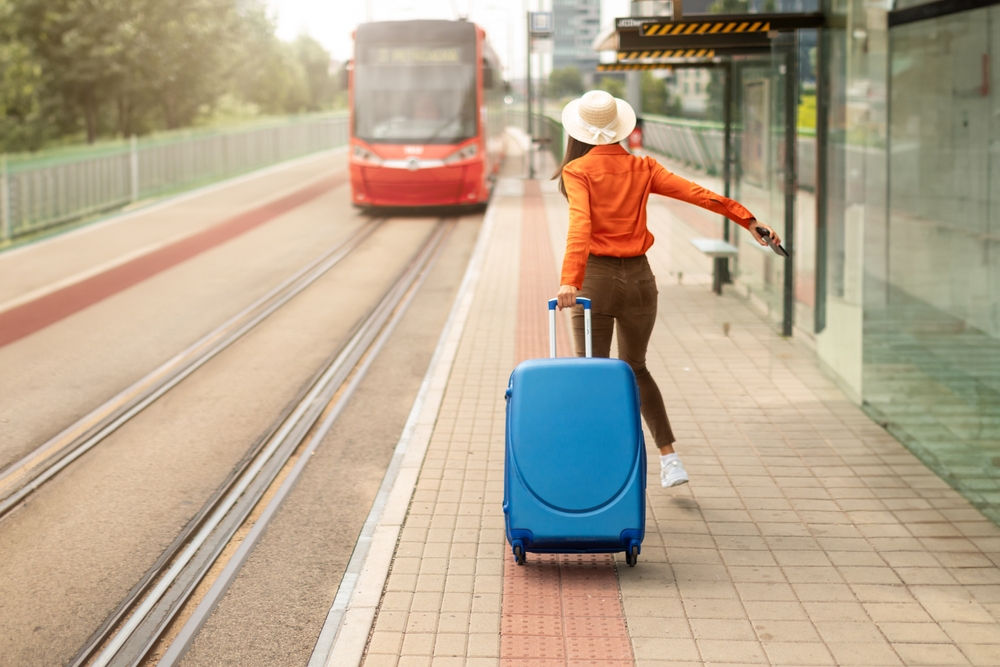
41, 191
700, 145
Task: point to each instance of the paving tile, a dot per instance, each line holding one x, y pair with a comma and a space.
797, 653
913, 633
715, 609
658, 648
717, 650
807, 592
849, 632
713, 628
767, 610
765, 591
658, 627
880, 593
864, 655
973, 633
931, 654
384, 660
983, 654
808, 535
418, 643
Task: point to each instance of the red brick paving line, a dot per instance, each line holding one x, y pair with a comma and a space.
33, 316
539, 283
558, 610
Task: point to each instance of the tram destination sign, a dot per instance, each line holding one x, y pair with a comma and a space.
408, 55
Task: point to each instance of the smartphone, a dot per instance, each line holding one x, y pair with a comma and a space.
776, 247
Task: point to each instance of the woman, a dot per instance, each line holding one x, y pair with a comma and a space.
605, 259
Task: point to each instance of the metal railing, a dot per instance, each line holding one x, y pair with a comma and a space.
700, 145
546, 128
39, 191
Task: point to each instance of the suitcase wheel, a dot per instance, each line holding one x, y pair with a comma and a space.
519, 554
632, 556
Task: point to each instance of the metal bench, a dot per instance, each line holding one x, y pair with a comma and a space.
720, 251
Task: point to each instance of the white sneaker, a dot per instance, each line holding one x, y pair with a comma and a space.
672, 472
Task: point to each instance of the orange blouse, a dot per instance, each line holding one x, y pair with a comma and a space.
607, 190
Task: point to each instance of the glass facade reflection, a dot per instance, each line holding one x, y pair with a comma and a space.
912, 234
932, 324
901, 257
896, 252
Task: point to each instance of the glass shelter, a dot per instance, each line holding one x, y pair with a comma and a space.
868, 135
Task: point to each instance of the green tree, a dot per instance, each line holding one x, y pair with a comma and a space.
79, 46
565, 82
135, 66
22, 122
654, 94
616, 87
320, 83
268, 72
187, 49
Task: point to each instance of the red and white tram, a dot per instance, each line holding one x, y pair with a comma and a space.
427, 107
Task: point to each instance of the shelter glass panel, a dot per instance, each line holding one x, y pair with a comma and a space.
932, 313
760, 171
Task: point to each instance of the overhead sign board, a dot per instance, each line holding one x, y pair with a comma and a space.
630, 23
686, 34
542, 23
542, 45
667, 56
728, 24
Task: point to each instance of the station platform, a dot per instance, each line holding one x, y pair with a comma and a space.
807, 535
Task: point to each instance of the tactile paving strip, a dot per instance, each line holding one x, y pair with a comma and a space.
558, 610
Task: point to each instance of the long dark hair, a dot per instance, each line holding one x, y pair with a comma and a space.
574, 149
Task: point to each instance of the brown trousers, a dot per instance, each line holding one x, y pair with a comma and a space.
623, 293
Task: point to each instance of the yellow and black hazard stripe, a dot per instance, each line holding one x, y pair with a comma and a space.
627, 56
633, 67
706, 28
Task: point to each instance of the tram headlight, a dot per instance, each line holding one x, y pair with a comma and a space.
366, 155
464, 154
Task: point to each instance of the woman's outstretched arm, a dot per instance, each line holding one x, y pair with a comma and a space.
669, 184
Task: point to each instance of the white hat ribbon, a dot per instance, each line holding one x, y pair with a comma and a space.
599, 132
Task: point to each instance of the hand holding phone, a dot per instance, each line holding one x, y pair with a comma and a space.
776, 247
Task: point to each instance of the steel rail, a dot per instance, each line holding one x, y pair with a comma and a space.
25, 476
127, 637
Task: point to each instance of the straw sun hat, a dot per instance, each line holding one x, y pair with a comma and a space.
598, 119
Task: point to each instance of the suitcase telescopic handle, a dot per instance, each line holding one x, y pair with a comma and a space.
587, 337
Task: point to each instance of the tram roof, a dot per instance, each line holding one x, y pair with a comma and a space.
418, 30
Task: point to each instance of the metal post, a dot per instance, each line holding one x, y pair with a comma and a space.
134, 164
633, 80
822, 138
791, 128
527, 76
4, 200
727, 138
722, 267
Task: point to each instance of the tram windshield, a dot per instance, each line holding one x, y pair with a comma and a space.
415, 95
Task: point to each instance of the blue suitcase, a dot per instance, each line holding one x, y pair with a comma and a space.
575, 464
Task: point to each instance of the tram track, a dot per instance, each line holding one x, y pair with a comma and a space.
243, 505
26, 475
